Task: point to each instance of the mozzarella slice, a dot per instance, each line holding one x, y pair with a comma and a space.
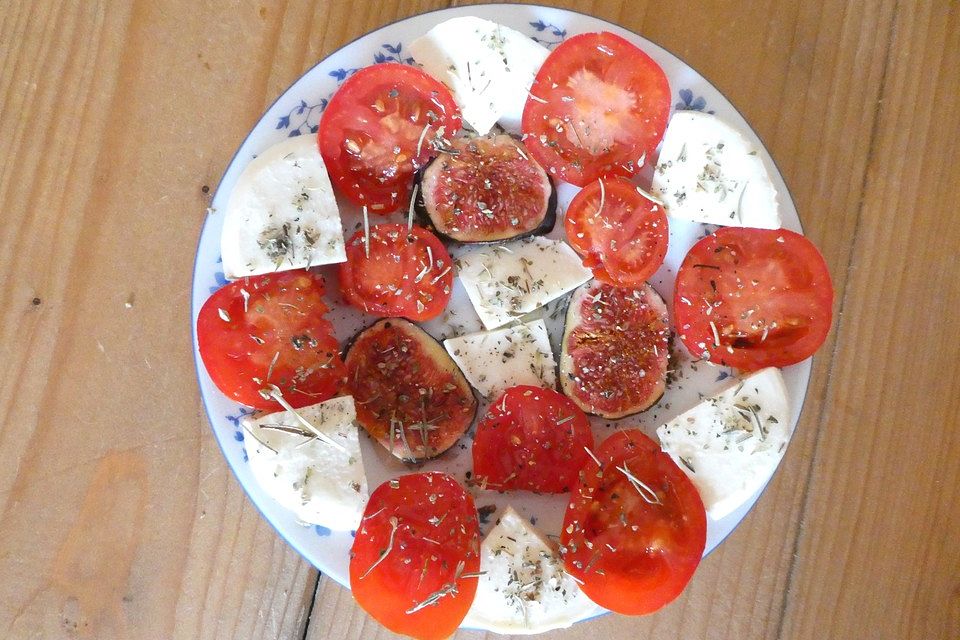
487, 67
708, 172
494, 361
282, 213
731, 443
321, 483
508, 281
524, 589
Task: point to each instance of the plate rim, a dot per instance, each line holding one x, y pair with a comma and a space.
229, 164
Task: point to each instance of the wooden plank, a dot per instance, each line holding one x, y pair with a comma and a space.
804, 78
879, 554
239, 579
119, 518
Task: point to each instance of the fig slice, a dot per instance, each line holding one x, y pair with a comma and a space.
486, 189
410, 395
616, 342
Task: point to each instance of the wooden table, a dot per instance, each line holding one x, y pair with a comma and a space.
120, 518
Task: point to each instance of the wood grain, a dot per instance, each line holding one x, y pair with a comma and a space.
86, 451
879, 539
119, 516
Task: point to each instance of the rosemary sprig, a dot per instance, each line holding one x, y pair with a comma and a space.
273, 362
716, 334
650, 197
383, 554
254, 436
448, 589
645, 491
413, 198
591, 454
423, 135
273, 391
366, 232
437, 279
286, 429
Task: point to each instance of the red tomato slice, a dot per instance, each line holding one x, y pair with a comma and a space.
597, 106
533, 439
406, 274
377, 131
621, 235
753, 298
635, 529
270, 330
414, 561
410, 394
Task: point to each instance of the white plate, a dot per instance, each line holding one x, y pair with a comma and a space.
297, 112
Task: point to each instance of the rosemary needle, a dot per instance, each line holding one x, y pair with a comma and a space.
393, 530
276, 395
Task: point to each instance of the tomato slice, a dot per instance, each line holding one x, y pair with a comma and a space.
621, 235
753, 298
635, 529
615, 347
378, 130
533, 439
414, 561
402, 274
270, 330
597, 107
410, 394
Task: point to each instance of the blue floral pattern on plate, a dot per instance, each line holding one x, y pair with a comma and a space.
235, 420
689, 103
549, 35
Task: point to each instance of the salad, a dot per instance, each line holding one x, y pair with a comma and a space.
454, 164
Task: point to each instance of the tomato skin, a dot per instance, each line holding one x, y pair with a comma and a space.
396, 260
770, 293
403, 379
282, 318
532, 439
656, 547
597, 107
623, 242
437, 531
371, 128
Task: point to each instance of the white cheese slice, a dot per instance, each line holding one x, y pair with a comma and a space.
282, 213
731, 443
524, 589
494, 361
487, 67
708, 172
321, 483
508, 281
